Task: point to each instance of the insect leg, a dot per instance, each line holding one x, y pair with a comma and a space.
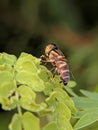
54, 71
44, 60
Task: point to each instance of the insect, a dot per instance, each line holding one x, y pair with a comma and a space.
54, 55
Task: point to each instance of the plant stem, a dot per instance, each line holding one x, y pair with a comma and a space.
18, 105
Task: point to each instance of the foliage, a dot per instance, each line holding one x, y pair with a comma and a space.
23, 83
29, 87
88, 109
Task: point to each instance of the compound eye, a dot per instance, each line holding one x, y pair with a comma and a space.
53, 44
54, 47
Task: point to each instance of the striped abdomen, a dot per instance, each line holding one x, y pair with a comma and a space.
63, 71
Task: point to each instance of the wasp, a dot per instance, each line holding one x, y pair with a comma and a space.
55, 56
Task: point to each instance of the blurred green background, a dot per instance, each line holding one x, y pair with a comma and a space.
29, 25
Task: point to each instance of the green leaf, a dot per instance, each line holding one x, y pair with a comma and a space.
62, 116
91, 95
31, 80
27, 100
88, 107
70, 91
7, 84
44, 112
30, 122
51, 126
32, 106
27, 62
62, 105
44, 74
25, 65
7, 61
85, 103
64, 110
86, 119
63, 97
25, 91
48, 88
16, 123
26, 122
71, 84
8, 103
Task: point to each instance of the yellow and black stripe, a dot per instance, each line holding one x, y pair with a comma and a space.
58, 60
